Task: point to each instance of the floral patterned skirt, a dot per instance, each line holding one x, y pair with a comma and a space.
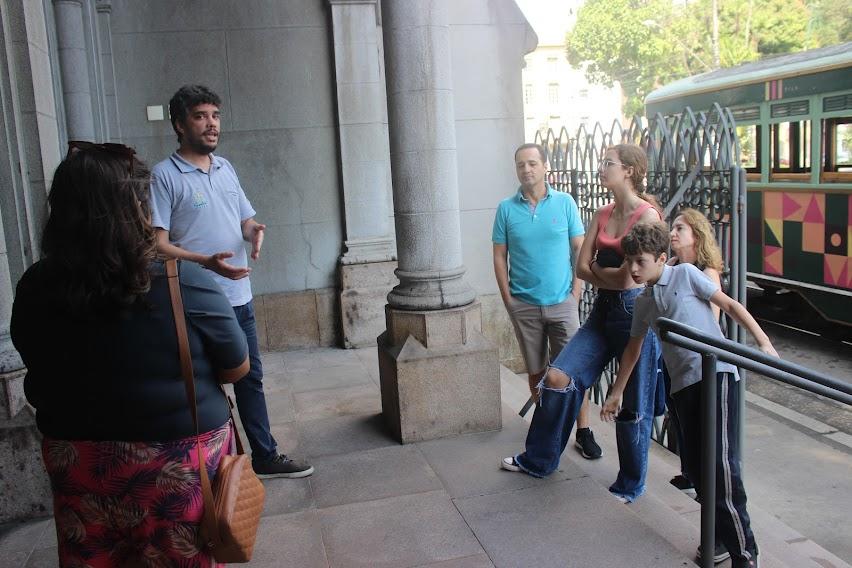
131, 503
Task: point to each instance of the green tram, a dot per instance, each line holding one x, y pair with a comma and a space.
793, 118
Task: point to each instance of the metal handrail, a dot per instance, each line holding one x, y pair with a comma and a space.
712, 350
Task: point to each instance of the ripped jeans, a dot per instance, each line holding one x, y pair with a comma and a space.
603, 336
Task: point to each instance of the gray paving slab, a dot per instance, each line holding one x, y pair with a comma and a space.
43, 558
344, 434
305, 360
370, 359
15, 559
561, 525
285, 496
329, 377
328, 403
289, 540
275, 380
478, 561
273, 362
398, 532
22, 537
280, 407
374, 474
470, 464
288, 437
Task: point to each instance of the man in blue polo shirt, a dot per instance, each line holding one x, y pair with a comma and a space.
202, 215
537, 235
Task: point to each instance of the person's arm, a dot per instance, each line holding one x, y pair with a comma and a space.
215, 262
737, 311
577, 284
625, 367
253, 233
501, 271
714, 275
235, 374
586, 254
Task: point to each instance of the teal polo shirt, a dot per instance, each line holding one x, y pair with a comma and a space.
539, 245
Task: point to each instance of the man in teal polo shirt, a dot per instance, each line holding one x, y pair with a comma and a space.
537, 235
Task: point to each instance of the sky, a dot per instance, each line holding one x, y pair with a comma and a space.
549, 18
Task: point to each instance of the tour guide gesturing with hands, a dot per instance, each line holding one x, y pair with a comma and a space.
202, 215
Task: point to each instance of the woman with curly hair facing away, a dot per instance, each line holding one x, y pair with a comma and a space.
602, 337
94, 325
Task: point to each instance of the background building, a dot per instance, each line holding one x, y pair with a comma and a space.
557, 95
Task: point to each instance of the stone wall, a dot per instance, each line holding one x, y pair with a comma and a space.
271, 62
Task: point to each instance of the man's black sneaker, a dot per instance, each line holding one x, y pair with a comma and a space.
683, 484
585, 442
720, 553
282, 466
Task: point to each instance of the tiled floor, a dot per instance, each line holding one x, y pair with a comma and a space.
375, 503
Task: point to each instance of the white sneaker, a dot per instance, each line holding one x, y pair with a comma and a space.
509, 464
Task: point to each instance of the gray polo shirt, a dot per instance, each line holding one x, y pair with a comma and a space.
203, 212
682, 293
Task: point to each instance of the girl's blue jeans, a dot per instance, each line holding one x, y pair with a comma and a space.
603, 336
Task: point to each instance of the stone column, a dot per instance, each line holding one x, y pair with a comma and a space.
74, 69
439, 375
366, 268
111, 129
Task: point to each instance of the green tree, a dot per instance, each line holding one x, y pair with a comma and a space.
830, 22
645, 44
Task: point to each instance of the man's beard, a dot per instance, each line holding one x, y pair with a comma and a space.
199, 146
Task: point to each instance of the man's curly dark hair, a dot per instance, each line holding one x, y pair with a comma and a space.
646, 237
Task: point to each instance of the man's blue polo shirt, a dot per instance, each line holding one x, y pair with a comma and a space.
539, 245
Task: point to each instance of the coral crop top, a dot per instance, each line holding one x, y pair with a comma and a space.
604, 241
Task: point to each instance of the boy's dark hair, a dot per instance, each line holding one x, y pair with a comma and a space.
646, 237
187, 98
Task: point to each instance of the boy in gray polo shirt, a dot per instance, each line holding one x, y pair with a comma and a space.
684, 294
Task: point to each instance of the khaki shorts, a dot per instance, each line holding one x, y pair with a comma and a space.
543, 331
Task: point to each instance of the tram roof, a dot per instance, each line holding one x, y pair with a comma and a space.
773, 67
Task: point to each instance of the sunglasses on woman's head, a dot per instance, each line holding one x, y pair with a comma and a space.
111, 147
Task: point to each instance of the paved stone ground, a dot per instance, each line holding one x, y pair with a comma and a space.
374, 503
443, 503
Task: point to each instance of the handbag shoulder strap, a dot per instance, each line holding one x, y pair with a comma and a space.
208, 518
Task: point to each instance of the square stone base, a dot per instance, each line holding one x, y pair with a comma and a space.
439, 390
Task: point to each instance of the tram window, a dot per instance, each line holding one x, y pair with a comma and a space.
749, 136
837, 147
790, 152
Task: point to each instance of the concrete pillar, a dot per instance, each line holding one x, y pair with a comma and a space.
367, 266
439, 375
423, 155
74, 69
112, 130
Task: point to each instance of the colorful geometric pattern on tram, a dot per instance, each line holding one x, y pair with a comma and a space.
801, 235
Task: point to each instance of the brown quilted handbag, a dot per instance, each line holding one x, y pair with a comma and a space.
232, 506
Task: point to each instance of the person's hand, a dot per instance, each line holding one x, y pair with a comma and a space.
256, 239
577, 292
768, 349
216, 263
611, 407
